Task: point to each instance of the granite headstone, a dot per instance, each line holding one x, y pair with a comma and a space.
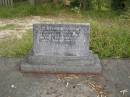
61, 48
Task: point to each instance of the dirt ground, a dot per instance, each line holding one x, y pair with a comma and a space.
21, 25
113, 82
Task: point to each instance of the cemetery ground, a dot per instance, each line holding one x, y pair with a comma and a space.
110, 39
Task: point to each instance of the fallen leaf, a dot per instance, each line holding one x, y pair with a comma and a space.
99, 89
13, 86
124, 91
67, 84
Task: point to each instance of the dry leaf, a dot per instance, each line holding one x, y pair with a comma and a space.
67, 84
99, 89
124, 91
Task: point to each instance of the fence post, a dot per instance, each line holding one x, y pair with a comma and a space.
0, 3
32, 2
6, 2
11, 2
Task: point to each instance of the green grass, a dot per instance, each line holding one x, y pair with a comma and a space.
13, 47
110, 39
107, 39
8, 26
23, 9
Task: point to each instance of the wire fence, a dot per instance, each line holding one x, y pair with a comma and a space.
6, 2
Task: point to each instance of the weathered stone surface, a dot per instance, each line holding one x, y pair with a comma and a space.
61, 39
114, 79
61, 48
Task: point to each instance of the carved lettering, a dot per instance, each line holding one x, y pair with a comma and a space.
60, 36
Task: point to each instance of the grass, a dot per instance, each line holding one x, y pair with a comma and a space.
13, 47
109, 37
24, 9
8, 26
110, 40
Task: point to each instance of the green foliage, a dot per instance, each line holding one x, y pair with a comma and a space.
86, 4
119, 4
110, 39
16, 47
24, 9
75, 3
82, 4
110, 35
8, 26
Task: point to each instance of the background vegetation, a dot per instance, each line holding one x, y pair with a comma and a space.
109, 19
55, 7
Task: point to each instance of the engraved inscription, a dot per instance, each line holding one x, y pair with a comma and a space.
61, 39
59, 36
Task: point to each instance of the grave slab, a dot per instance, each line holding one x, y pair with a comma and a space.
61, 48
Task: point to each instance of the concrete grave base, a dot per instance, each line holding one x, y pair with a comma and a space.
62, 64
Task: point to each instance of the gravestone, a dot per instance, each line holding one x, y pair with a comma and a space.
61, 48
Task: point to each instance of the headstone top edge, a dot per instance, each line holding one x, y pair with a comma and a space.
60, 23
